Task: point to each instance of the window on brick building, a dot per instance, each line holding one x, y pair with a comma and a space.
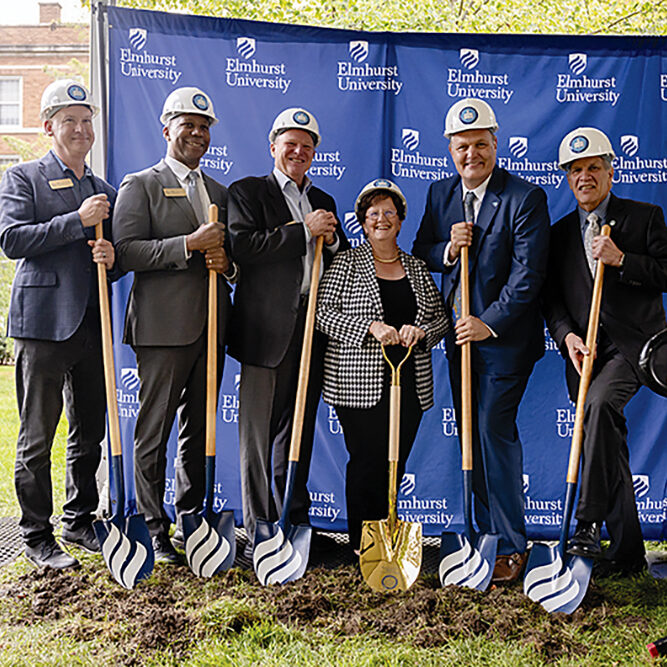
10, 101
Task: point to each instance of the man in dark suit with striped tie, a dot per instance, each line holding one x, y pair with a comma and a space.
635, 257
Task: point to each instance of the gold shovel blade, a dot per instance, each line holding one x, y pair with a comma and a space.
390, 560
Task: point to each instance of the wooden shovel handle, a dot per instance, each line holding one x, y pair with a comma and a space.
306, 349
212, 350
107, 354
586, 369
466, 370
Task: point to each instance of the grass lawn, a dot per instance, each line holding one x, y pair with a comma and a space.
328, 618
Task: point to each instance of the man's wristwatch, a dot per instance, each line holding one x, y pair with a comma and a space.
621, 262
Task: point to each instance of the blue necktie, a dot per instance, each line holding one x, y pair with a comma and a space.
469, 214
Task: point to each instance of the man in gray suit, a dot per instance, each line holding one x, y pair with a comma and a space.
274, 221
48, 212
162, 234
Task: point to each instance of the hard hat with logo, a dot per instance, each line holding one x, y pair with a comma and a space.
380, 185
295, 119
64, 93
584, 142
187, 100
469, 114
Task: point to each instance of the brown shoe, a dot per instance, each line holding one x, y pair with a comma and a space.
509, 568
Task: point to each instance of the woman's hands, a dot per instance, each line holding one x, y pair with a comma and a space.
387, 335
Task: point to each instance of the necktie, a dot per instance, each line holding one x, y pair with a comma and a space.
592, 230
194, 198
469, 214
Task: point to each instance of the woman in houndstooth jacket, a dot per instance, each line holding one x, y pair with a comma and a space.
376, 295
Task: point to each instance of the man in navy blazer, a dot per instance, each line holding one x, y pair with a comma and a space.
48, 212
631, 311
274, 222
505, 221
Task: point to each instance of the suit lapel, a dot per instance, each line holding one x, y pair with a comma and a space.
52, 171
276, 200
167, 179
616, 216
366, 269
487, 212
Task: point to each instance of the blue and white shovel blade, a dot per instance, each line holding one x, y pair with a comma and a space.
210, 542
280, 556
466, 564
126, 548
556, 585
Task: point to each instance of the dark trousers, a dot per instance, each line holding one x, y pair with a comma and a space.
366, 434
47, 371
606, 492
266, 409
173, 382
497, 454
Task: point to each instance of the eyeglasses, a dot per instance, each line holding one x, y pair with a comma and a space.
376, 215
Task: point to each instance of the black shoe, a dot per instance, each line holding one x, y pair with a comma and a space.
586, 540
178, 539
322, 544
606, 568
83, 537
49, 554
164, 550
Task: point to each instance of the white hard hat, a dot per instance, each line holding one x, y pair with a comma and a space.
469, 114
64, 93
584, 142
187, 100
295, 119
380, 185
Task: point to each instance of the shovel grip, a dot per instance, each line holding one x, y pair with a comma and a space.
212, 350
107, 354
306, 349
466, 372
586, 369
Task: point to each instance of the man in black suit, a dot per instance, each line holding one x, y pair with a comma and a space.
274, 222
635, 256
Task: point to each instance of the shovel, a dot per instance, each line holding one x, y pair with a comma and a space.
554, 579
281, 549
124, 541
210, 542
391, 549
467, 559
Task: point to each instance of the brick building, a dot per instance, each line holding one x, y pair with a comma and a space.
26, 51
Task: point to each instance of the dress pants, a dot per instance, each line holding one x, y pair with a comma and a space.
497, 454
47, 371
173, 381
606, 491
366, 434
266, 408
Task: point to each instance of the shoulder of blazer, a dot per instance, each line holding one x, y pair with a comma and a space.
320, 198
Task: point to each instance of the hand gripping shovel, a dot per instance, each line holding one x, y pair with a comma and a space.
124, 541
210, 543
555, 580
281, 549
467, 559
391, 549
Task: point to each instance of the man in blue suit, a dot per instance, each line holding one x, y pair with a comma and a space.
48, 212
505, 222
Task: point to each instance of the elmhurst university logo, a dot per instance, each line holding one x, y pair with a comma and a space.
408, 483
410, 138
469, 58
526, 482
358, 50
246, 46
641, 484
138, 38
577, 62
629, 144
237, 382
129, 378
351, 223
518, 146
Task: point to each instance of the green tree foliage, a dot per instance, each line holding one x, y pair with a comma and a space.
608, 17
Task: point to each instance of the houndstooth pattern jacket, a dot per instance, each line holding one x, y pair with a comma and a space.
348, 301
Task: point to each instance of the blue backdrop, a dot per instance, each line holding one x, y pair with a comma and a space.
380, 99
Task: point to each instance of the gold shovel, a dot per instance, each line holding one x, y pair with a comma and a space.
391, 549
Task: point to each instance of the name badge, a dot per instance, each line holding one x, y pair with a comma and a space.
61, 183
174, 192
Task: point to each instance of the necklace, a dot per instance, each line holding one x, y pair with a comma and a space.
385, 261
